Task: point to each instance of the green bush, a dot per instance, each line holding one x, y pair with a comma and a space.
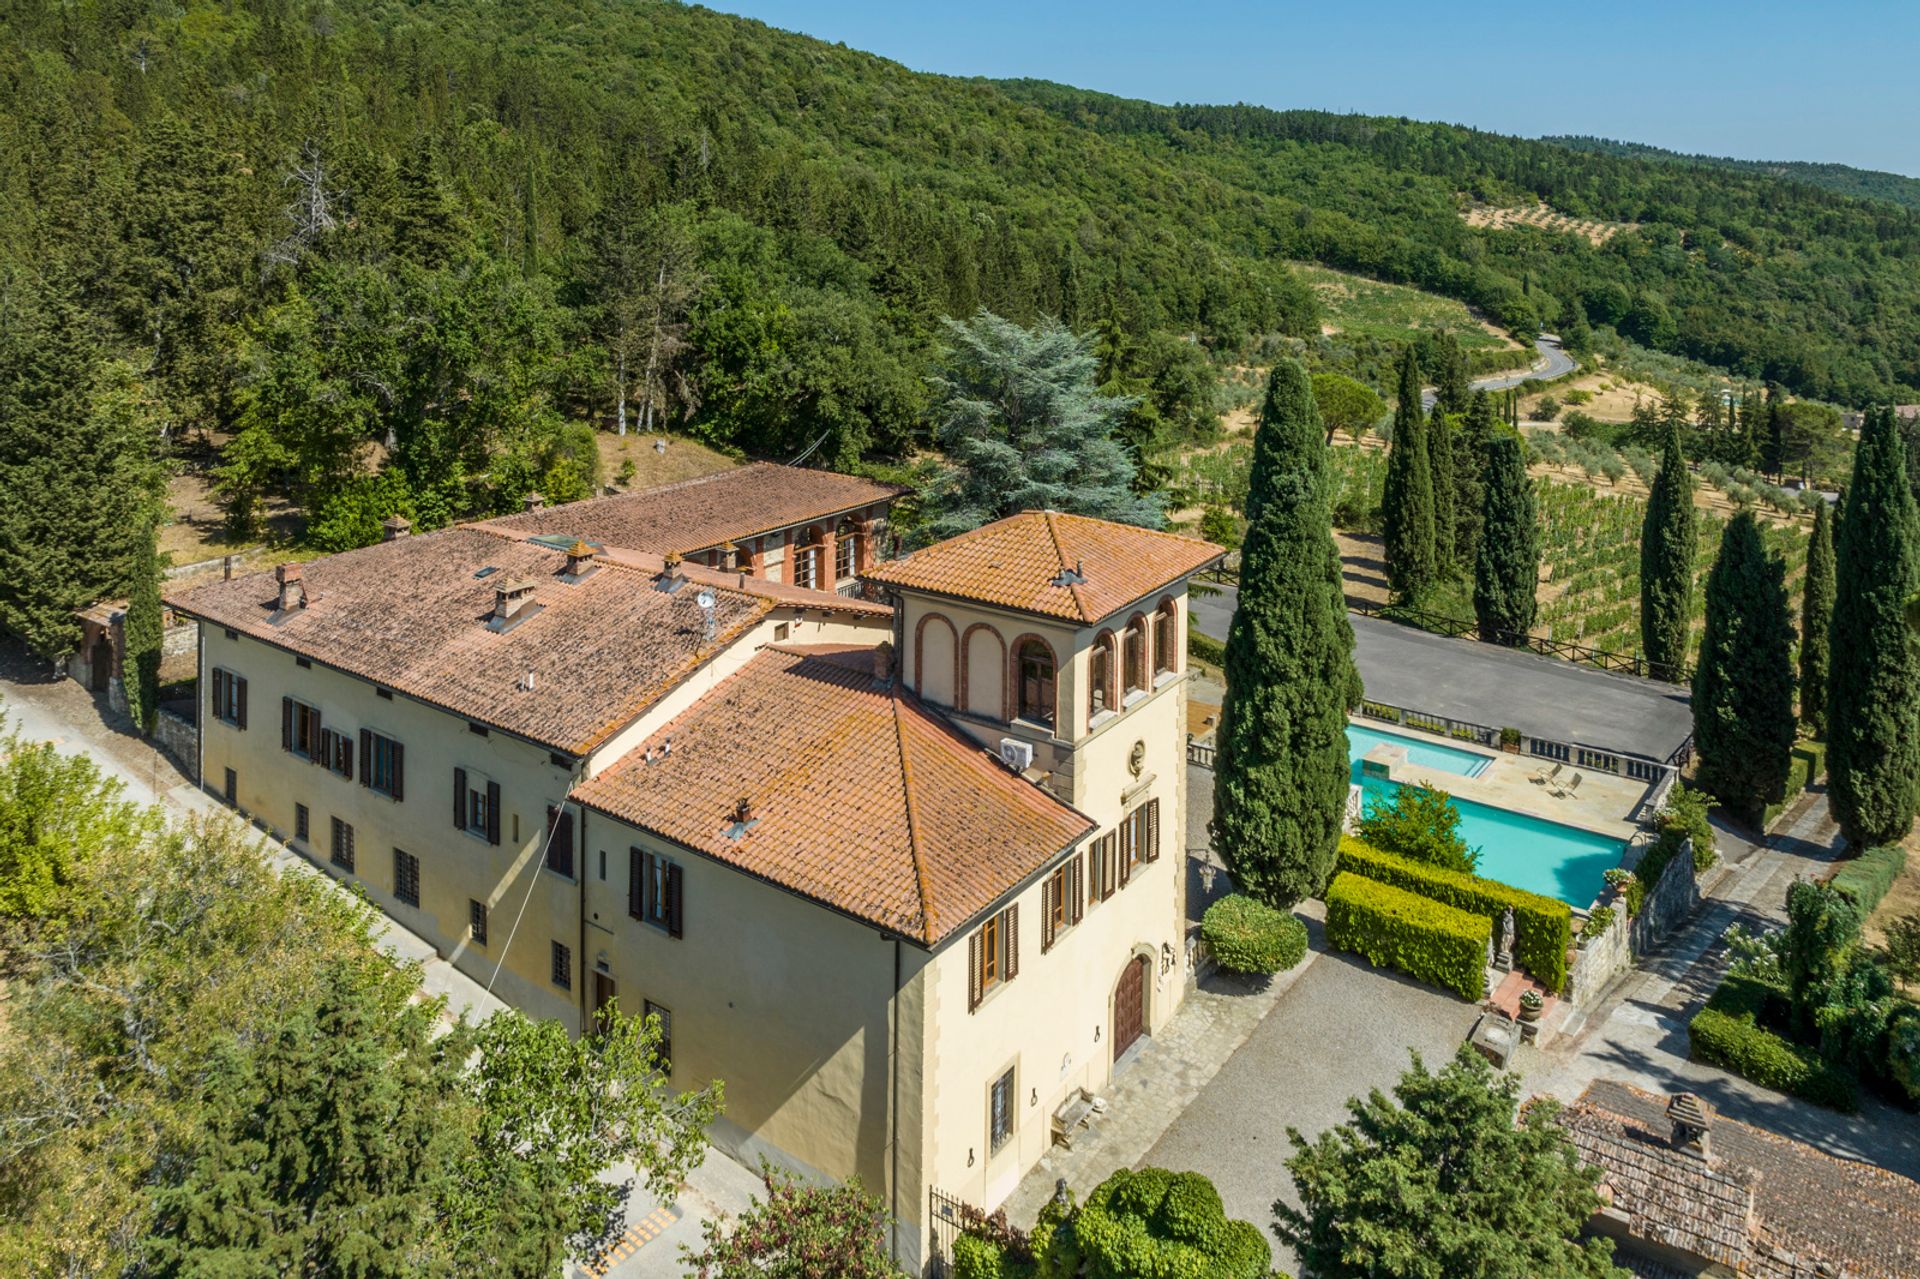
1421, 937
1148, 1223
1802, 767
1686, 811
1865, 879
1597, 923
976, 1257
1542, 927
1728, 1033
1248, 936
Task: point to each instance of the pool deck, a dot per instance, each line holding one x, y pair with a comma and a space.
1603, 804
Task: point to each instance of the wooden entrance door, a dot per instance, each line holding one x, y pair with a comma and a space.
602, 991
1130, 1006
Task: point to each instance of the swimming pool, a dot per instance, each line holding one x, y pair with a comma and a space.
1527, 852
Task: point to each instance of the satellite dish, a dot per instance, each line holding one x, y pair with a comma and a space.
704, 599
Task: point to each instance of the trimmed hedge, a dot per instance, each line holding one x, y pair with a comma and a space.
1423, 938
1865, 879
1248, 936
1205, 648
1727, 1032
1542, 926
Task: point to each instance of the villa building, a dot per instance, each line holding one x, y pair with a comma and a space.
881, 843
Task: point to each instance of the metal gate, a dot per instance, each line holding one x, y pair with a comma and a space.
946, 1214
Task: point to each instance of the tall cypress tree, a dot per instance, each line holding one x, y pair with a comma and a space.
1816, 619
1406, 497
1440, 464
1507, 569
1743, 726
1873, 698
1280, 785
1667, 542
1470, 441
1451, 390
142, 633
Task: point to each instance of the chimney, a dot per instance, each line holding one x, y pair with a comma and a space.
743, 810
579, 560
397, 527
510, 600
293, 590
533, 502
1692, 1119
883, 662
672, 576
729, 557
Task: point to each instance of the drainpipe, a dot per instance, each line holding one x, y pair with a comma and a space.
580, 867
893, 1113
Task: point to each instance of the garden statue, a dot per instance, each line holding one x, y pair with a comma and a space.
1505, 961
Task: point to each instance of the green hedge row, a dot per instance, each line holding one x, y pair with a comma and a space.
1421, 937
1727, 1032
1206, 648
1865, 879
1542, 927
1808, 762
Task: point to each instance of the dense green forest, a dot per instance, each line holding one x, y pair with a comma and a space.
1872, 184
374, 256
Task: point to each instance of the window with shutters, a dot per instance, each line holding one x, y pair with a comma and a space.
342, 845
336, 753
1000, 1112
663, 1047
1139, 839
1062, 900
477, 922
560, 840
1133, 655
382, 764
1102, 868
229, 698
654, 891
300, 730
476, 805
993, 955
406, 877
562, 966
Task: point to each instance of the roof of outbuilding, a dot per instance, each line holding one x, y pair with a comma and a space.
1047, 562
863, 798
411, 615
692, 515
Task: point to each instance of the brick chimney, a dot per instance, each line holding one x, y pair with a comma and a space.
883, 662
672, 575
1692, 1119
743, 810
509, 601
729, 557
293, 589
533, 502
579, 560
397, 527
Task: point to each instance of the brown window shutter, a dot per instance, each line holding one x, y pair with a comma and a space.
239, 700
636, 882
648, 906
1127, 836
346, 754
1153, 830
286, 723
673, 900
399, 772
366, 757
1107, 847
1046, 914
459, 799
1013, 941
493, 812
1076, 894
973, 970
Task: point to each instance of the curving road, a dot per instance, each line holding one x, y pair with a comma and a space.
1555, 362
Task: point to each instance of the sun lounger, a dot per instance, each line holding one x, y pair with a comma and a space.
1569, 790
1545, 776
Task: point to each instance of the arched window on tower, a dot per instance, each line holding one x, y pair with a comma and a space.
1166, 633
1036, 682
1133, 653
1100, 676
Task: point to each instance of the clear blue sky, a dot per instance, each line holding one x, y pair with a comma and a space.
1763, 79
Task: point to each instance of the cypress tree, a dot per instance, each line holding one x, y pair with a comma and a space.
142, 633
1743, 726
1816, 618
1451, 390
1667, 542
1280, 785
1469, 454
1874, 684
1507, 568
1440, 464
1406, 497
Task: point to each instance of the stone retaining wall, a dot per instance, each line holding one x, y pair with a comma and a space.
1668, 902
179, 737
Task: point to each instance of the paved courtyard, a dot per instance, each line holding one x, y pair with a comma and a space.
1466, 680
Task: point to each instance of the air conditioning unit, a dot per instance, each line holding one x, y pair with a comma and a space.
1016, 754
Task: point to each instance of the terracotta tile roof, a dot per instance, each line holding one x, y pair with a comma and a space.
1813, 1214
864, 799
1028, 562
774, 592
695, 514
411, 615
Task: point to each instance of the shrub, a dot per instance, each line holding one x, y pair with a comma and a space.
1421, 937
1865, 879
1542, 926
1686, 811
1802, 767
1248, 936
1155, 1224
977, 1257
1728, 1033
1420, 823
1544, 409
1597, 923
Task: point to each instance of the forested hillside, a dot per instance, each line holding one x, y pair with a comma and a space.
370, 256
1873, 184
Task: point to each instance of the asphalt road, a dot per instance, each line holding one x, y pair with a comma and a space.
1557, 363
1466, 680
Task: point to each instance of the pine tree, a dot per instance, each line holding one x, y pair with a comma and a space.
1470, 441
426, 225
1816, 620
143, 632
1441, 435
1667, 542
1507, 569
1407, 496
1743, 725
1873, 699
1280, 787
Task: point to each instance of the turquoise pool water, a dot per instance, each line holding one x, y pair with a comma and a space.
1515, 848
